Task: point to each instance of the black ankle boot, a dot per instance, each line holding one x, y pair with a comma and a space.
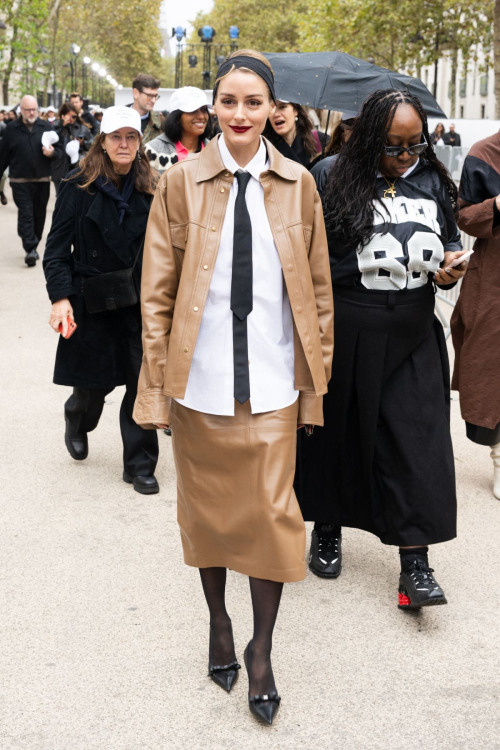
76, 443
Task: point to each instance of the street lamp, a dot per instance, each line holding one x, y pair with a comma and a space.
179, 33
206, 33
74, 49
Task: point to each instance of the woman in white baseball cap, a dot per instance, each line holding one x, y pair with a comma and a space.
92, 265
186, 130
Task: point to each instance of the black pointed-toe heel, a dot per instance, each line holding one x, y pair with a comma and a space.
226, 676
263, 707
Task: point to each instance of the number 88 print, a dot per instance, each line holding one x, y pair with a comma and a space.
384, 253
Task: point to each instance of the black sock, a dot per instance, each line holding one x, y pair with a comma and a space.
408, 556
321, 527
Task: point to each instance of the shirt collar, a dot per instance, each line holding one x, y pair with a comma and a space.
408, 171
255, 167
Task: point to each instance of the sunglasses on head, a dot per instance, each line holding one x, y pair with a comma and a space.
416, 150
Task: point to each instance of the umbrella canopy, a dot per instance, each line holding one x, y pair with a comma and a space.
335, 80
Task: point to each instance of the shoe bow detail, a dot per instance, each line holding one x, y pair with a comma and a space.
256, 699
214, 670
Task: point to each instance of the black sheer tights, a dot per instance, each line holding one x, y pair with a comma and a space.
266, 596
221, 649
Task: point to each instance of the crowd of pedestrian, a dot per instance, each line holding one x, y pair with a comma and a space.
195, 257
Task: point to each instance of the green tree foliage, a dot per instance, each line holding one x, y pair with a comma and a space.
267, 25
122, 36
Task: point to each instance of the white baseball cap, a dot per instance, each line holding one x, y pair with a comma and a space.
187, 99
115, 118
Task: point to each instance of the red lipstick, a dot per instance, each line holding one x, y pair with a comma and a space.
240, 128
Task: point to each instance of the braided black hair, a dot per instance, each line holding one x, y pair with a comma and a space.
351, 188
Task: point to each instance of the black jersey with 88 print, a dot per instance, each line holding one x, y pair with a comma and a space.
409, 238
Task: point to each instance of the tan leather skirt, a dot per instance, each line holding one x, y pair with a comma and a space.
236, 506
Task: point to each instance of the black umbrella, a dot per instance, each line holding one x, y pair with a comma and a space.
335, 80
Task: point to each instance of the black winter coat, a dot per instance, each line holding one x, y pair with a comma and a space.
21, 150
85, 239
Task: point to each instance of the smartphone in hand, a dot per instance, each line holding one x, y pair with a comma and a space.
71, 328
458, 261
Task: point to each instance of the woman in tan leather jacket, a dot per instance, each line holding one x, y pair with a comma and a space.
238, 340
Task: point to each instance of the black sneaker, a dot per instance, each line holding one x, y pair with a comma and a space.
325, 555
418, 587
31, 258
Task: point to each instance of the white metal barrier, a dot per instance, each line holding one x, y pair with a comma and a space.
446, 301
452, 158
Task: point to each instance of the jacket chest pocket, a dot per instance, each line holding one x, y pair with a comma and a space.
179, 234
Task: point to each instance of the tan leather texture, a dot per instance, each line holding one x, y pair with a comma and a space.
251, 458
182, 241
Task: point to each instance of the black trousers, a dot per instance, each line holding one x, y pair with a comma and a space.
83, 410
31, 199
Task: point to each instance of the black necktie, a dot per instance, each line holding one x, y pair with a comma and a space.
241, 288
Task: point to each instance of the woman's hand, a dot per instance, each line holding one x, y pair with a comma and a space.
60, 312
446, 275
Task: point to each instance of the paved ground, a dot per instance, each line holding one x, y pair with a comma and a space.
104, 630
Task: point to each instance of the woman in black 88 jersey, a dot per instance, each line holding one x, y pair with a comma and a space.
384, 460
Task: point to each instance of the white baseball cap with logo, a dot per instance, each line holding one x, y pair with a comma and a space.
115, 118
187, 99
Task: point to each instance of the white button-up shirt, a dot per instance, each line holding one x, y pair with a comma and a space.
210, 387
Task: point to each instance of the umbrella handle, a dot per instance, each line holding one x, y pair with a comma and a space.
326, 133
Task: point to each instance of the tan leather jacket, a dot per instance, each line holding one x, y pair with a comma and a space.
182, 241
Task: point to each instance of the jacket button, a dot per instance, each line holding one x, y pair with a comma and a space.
214, 229
290, 267
94, 254
309, 348
195, 309
299, 309
222, 190
227, 174
205, 268
186, 349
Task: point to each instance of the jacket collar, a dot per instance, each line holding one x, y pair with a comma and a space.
210, 162
20, 124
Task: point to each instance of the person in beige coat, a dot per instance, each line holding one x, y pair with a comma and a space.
238, 341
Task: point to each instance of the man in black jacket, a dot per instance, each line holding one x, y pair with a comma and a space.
84, 116
452, 138
29, 165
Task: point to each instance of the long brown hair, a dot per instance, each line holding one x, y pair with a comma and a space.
305, 129
96, 163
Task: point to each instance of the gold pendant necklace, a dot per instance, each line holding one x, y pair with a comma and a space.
390, 192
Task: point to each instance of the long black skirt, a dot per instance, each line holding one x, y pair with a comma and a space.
384, 462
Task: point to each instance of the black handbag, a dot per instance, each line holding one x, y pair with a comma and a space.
111, 291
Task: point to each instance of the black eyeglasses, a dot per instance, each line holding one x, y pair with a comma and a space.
416, 150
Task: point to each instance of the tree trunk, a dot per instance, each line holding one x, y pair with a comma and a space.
496, 53
453, 82
10, 65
